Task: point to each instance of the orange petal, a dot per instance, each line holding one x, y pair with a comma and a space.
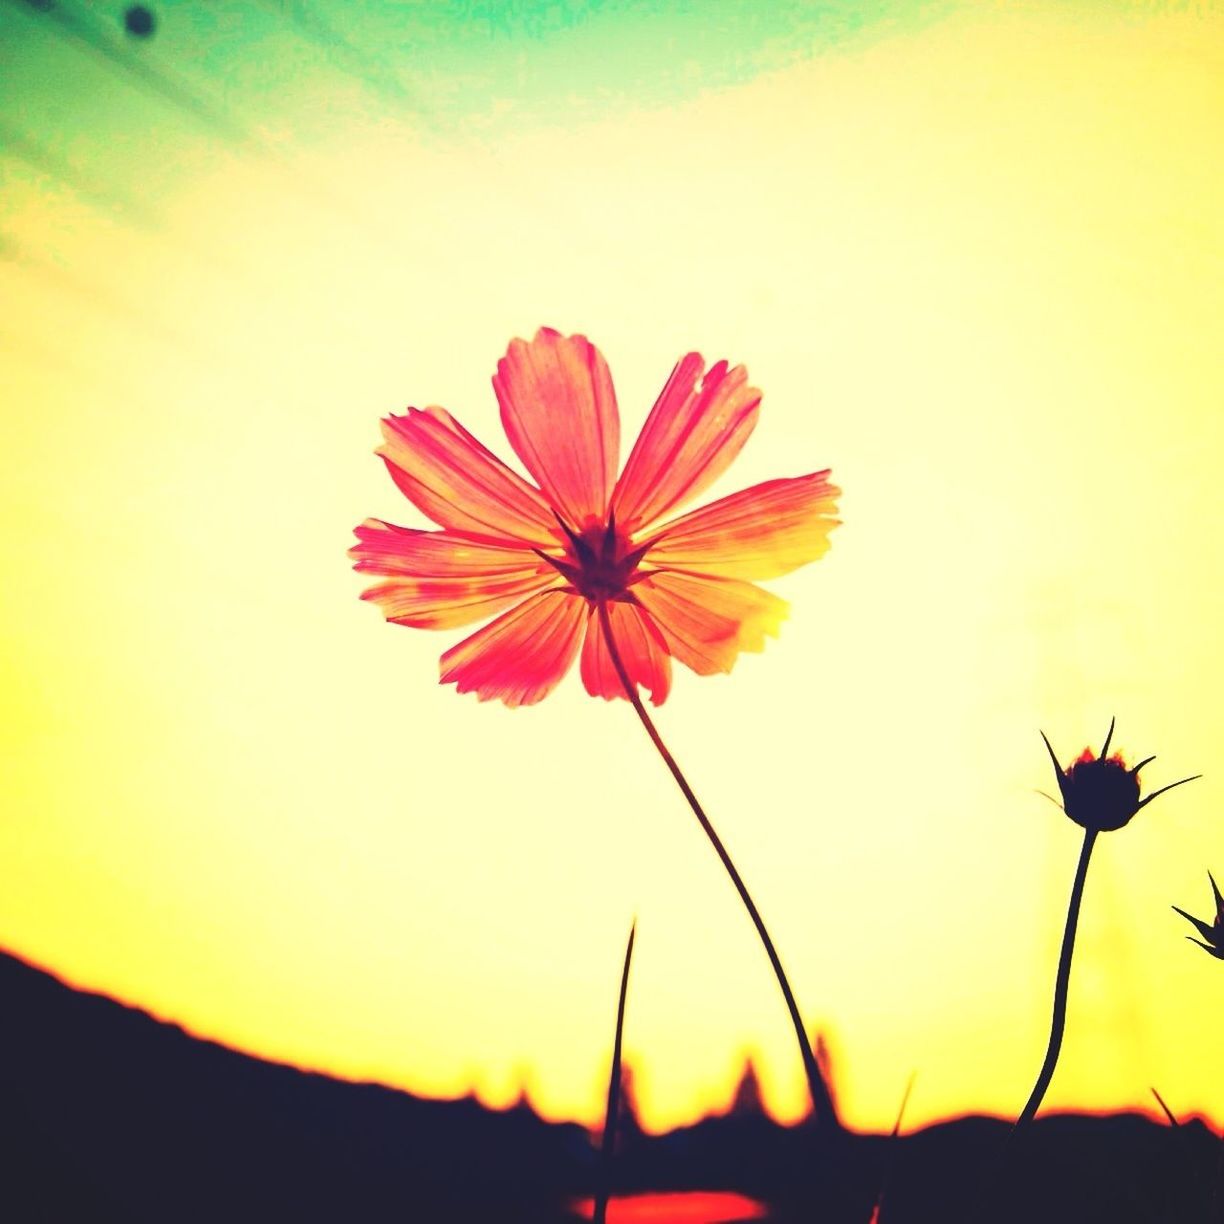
520, 657
460, 484
706, 622
641, 650
559, 412
761, 532
436, 580
692, 434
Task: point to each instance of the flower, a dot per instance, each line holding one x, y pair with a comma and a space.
1100, 792
546, 557
1213, 933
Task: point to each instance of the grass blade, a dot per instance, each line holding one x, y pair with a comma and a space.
612, 1114
892, 1161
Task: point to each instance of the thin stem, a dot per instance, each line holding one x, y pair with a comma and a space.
1061, 984
1168, 1113
892, 1151
612, 1113
822, 1102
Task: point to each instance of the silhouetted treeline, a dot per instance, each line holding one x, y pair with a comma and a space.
109, 1115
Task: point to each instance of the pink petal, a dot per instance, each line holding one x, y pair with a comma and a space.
559, 412
460, 484
692, 434
435, 580
706, 622
761, 532
641, 650
520, 657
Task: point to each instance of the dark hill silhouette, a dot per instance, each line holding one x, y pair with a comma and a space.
109, 1115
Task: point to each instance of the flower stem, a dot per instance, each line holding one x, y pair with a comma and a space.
612, 1114
822, 1102
1061, 984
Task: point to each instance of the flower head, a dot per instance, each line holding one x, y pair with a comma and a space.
545, 557
1101, 792
1213, 933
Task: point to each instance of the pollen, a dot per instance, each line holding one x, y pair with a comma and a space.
600, 562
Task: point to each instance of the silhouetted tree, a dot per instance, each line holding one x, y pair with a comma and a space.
746, 1100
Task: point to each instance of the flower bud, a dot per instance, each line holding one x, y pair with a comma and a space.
1100, 792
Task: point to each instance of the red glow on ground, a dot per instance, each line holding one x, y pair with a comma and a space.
698, 1207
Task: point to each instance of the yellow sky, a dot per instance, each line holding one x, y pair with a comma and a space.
975, 269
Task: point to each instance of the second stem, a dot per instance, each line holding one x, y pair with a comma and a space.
1061, 984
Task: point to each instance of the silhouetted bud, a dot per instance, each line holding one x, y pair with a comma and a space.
1213, 933
1100, 792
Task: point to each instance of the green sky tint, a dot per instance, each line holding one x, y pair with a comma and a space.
94, 118
270, 80
271, 66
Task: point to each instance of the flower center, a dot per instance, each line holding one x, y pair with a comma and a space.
599, 561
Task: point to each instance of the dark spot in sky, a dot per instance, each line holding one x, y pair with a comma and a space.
139, 21
43, 6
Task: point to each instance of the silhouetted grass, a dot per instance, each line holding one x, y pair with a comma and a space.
612, 1113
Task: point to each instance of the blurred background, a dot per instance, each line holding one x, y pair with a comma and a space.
972, 255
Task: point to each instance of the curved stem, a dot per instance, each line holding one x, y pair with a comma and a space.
822, 1102
1061, 984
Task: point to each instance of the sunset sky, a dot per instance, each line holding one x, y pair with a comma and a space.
973, 255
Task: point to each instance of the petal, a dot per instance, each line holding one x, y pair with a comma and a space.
459, 484
706, 622
641, 650
692, 434
762, 532
435, 580
520, 657
559, 412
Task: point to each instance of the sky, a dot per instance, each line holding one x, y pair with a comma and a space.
973, 257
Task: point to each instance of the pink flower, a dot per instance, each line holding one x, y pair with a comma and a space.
544, 557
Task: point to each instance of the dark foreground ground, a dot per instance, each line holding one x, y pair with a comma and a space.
108, 1115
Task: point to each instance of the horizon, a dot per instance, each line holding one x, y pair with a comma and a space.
1151, 1113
